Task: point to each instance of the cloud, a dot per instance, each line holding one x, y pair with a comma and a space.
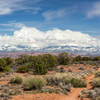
54, 14
95, 11
8, 7
28, 38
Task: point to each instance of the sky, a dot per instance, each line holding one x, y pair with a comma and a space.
77, 15
20, 19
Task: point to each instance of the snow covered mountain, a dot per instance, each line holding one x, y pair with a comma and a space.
56, 40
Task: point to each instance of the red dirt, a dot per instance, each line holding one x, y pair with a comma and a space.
46, 96
42, 96
3, 82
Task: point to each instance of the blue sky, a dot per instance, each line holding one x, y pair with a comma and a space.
40, 24
77, 15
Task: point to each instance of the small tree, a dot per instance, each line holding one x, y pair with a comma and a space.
97, 58
8, 60
49, 60
39, 66
22, 69
22, 59
3, 66
64, 58
77, 59
40, 69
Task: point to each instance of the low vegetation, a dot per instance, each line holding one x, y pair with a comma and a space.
22, 69
41, 64
48, 73
33, 83
65, 79
97, 74
96, 82
16, 80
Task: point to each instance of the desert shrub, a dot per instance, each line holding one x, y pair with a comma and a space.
97, 58
86, 58
22, 69
8, 61
65, 79
49, 90
77, 59
22, 59
49, 60
40, 69
54, 79
39, 66
33, 83
95, 82
3, 66
16, 80
97, 74
78, 82
6, 69
64, 58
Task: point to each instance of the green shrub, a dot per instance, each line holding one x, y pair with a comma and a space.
40, 69
22, 69
77, 59
96, 82
22, 59
6, 69
97, 74
8, 60
65, 78
16, 80
64, 58
33, 83
97, 58
49, 60
54, 79
78, 82
3, 66
49, 90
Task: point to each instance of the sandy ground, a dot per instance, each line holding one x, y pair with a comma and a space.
73, 95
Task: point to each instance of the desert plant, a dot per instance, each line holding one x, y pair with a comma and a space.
22, 69
77, 59
49, 60
97, 58
33, 83
65, 78
6, 69
54, 79
78, 82
16, 80
95, 82
3, 66
97, 74
8, 60
40, 69
64, 58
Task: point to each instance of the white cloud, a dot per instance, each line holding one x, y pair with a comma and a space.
28, 38
94, 11
7, 7
49, 15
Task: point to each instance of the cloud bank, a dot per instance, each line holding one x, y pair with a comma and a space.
28, 39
